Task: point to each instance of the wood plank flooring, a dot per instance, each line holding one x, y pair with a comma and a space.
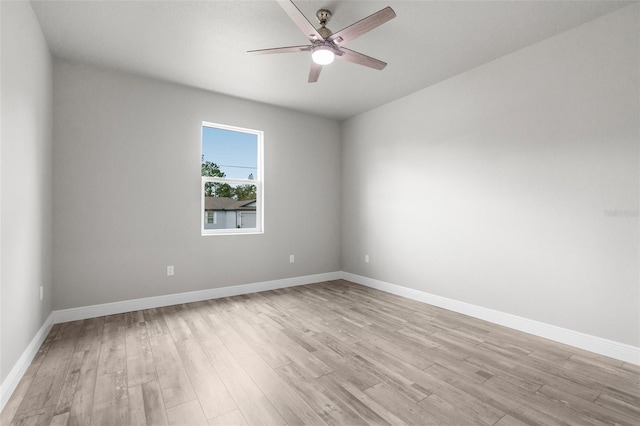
332, 353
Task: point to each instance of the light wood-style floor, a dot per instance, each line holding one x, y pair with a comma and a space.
329, 353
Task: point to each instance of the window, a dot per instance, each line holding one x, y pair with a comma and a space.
231, 170
212, 217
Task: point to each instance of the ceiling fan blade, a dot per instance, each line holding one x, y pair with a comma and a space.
364, 25
314, 72
360, 59
300, 20
287, 49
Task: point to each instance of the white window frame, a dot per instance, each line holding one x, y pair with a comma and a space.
258, 181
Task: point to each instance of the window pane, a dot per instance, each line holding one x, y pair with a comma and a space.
229, 154
211, 217
229, 206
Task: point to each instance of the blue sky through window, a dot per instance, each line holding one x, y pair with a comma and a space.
235, 152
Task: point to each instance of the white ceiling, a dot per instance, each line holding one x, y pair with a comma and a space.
203, 44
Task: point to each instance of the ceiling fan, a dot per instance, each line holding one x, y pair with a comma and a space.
327, 45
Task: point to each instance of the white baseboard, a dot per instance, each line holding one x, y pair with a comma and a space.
8, 386
620, 351
74, 314
594, 344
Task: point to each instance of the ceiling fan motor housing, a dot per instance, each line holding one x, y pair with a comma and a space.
324, 16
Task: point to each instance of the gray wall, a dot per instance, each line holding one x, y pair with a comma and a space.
501, 179
25, 153
126, 145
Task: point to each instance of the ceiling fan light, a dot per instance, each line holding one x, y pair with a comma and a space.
322, 55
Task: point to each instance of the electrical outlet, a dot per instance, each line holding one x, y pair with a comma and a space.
41, 293
170, 270
292, 258
366, 258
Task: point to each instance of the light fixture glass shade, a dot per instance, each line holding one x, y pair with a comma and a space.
322, 55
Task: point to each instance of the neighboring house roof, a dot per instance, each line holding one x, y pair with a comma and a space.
229, 204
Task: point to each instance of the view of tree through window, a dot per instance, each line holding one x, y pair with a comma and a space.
231, 180
241, 192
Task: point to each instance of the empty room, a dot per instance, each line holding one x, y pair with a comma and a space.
320, 212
